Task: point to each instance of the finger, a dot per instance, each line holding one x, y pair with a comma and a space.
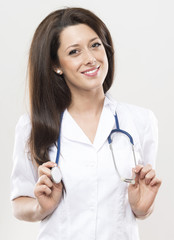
135, 173
49, 164
44, 169
135, 177
145, 170
156, 181
44, 180
138, 168
149, 176
42, 189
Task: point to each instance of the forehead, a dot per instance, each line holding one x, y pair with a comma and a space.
76, 34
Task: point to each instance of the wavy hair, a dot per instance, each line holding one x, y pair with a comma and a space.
48, 92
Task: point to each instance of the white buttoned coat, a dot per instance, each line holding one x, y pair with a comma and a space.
96, 205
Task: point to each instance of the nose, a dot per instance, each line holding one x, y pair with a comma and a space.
89, 58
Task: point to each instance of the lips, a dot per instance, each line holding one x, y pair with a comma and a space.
91, 72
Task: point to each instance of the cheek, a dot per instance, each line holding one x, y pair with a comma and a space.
104, 58
105, 62
70, 66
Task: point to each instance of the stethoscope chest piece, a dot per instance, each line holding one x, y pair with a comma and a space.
56, 175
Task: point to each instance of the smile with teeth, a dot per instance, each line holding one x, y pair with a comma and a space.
91, 72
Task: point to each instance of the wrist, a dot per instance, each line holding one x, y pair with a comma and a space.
142, 214
39, 212
28, 209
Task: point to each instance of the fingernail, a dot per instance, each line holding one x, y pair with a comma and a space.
147, 182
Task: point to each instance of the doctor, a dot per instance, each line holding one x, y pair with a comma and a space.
71, 68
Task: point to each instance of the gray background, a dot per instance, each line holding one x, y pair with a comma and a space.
143, 34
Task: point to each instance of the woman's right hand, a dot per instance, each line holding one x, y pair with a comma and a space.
47, 193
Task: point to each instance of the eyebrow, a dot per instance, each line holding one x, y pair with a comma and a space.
76, 45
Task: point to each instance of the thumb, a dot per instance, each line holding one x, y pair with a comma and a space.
136, 177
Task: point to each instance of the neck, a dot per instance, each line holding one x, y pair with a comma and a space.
87, 103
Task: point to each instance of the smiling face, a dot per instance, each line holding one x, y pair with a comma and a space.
82, 58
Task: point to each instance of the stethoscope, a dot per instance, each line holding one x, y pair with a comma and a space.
56, 174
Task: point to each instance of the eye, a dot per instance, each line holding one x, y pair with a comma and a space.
97, 44
74, 51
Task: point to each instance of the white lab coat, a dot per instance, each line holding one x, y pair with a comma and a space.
96, 205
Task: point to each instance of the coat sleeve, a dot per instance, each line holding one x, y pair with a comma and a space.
24, 174
146, 126
150, 139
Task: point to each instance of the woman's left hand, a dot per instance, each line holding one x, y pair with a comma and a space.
142, 194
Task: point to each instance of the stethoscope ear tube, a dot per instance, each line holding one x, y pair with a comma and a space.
56, 175
117, 129
58, 141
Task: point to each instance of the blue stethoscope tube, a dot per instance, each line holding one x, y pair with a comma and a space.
58, 141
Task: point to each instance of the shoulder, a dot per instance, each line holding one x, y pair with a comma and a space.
135, 111
24, 120
23, 125
140, 115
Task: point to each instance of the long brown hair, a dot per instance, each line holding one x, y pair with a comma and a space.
48, 91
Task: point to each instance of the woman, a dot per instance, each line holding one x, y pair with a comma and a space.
71, 68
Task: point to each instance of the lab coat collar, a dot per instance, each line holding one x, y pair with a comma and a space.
111, 103
70, 129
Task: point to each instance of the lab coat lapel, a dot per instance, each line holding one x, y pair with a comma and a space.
106, 124
72, 131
